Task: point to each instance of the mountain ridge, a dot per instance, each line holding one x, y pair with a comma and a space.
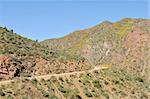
98, 42
70, 67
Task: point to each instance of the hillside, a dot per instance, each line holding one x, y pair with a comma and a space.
106, 61
98, 84
22, 57
125, 43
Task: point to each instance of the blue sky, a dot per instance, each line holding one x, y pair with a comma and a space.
43, 19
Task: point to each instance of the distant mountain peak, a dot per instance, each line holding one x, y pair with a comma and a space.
105, 23
89, 43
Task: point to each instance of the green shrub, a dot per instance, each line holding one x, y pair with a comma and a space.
53, 97
2, 93
10, 97
34, 81
76, 97
45, 94
139, 79
53, 79
87, 93
97, 84
61, 79
106, 95
62, 89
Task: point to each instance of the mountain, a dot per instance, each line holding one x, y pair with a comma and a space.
22, 57
107, 61
125, 43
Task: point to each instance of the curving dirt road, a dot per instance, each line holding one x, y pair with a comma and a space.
50, 75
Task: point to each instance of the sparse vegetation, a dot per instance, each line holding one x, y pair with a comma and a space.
54, 88
121, 48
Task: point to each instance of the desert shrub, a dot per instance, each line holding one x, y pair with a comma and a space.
106, 95
53, 97
2, 93
53, 79
87, 92
97, 84
89, 75
76, 97
10, 97
71, 92
5, 28
72, 76
128, 77
26, 97
79, 81
123, 94
139, 79
62, 89
116, 81
45, 94
61, 79
106, 82
34, 81
12, 30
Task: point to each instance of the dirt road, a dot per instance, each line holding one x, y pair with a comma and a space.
56, 75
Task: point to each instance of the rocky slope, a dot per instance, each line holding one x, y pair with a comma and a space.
125, 43
22, 57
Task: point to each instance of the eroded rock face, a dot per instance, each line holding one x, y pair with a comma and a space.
7, 68
43, 67
3, 59
134, 52
34, 66
138, 41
